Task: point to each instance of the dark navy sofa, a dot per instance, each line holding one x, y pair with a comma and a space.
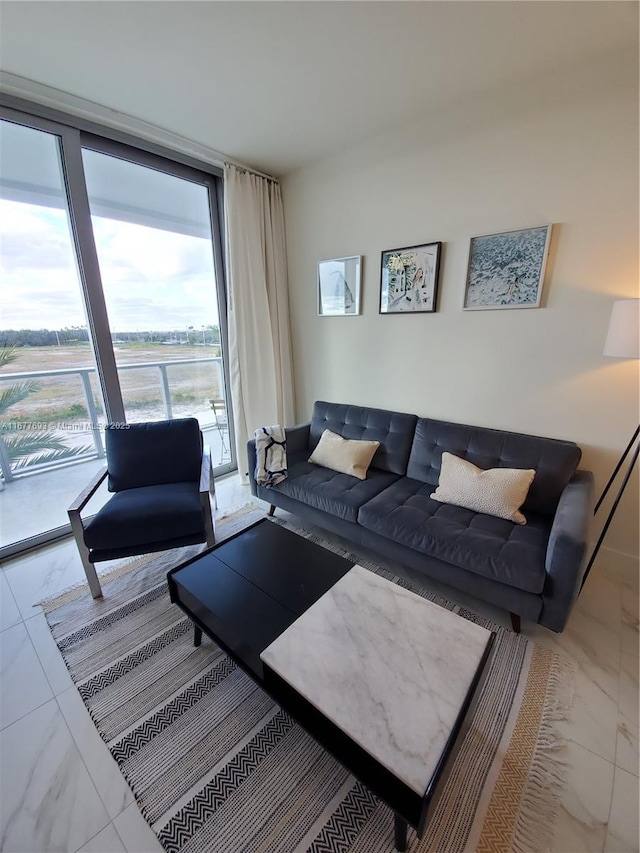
534, 571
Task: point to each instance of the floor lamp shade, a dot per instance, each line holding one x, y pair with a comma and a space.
623, 339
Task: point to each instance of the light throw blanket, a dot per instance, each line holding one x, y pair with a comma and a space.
271, 455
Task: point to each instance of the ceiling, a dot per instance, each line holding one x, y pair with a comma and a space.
277, 85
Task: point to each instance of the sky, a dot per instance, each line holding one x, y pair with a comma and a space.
153, 280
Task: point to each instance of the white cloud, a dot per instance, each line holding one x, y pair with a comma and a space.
152, 279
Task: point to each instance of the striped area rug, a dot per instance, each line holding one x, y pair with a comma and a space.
217, 767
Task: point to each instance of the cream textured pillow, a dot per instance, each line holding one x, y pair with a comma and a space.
498, 491
344, 454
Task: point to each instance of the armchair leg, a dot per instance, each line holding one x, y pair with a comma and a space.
89, 568
515, 622
272, 510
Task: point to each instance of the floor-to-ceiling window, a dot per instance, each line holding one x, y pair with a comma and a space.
111, 308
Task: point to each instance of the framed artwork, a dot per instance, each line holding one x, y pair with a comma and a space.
409, 279
339, 286
506, 270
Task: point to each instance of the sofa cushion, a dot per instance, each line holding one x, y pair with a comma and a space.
492, 547
347, 455
393, 430
330, 491
554, 461
497, 491
146, 515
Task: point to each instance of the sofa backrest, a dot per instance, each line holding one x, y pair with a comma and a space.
393, 430
554, 461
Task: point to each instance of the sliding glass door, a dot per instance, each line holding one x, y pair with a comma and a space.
112, 307
48, 379
154, 243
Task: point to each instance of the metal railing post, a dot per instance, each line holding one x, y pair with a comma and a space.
166, 393
5, 462
91, 411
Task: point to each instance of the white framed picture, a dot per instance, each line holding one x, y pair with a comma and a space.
339, 286
506, 270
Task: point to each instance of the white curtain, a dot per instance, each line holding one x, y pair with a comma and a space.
258, 307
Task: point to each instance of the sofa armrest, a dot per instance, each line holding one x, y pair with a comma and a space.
297, 440
566, 551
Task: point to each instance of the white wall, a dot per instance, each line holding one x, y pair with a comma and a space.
562, 150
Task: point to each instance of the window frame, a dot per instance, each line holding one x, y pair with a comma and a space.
76, 133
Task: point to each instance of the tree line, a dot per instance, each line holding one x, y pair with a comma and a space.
71, 335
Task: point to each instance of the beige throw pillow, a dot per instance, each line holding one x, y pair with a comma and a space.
344, 454
498, 491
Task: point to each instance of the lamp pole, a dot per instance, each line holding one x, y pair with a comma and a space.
623, 341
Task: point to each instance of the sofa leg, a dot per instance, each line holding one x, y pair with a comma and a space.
515, 622
272, 510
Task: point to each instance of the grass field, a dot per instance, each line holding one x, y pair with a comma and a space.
61, 398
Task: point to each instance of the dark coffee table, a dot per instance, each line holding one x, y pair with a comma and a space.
246, 591
383, 679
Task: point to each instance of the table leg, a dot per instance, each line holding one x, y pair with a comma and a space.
197, 635
400, 832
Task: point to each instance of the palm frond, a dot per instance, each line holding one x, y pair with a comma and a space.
7, 355
23, 443
16, 393
52, 456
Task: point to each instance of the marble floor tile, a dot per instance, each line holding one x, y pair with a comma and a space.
48, 654
619, 567
23, 683
231, 493
43, 551
622, 834
584, 806
627, 740
594, 646
629, 629
103, 769
42, 575
9, 613
601, 599
106, 841
136, 834
49, 802
593, 721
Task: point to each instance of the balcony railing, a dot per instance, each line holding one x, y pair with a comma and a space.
93, 423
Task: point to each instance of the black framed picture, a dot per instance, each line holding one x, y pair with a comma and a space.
409, 279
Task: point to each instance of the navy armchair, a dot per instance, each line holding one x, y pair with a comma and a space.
161, 477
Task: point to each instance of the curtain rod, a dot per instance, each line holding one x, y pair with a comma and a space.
45, 101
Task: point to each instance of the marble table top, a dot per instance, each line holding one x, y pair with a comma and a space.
388, 667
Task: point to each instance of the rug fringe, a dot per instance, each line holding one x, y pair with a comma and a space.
238, 509
546, 779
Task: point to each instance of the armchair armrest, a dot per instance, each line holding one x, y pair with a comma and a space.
206, 489
87, 493
566, 551
78, 531
206, 472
